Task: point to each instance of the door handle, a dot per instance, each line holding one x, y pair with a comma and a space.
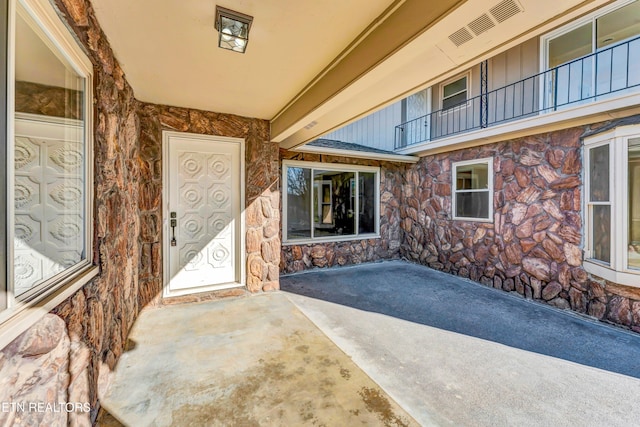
174, 223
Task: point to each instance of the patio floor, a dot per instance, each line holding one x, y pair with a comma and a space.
341, 346
252, 361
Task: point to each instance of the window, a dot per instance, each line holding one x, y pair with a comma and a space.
454, 92
599, 202
633, 233
49, 163
595, 55
329, 202
473, 190
4, 153
612, 188
571, 45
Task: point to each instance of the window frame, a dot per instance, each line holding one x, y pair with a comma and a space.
22, 312
617, 270
338, 167
564, 29
545, 39
4, 152
589, 205
490, 193
465, 103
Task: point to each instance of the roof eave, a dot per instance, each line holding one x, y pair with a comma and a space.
399, 158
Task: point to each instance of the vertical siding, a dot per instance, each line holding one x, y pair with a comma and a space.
513, 65
377, 130
457, 119
508, 68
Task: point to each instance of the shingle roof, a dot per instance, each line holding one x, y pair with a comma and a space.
341, 145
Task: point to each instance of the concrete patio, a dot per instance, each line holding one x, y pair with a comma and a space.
246, 361
447, 350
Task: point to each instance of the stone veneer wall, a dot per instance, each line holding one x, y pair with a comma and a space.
46, 100
534, 244
297, 258
68, 355
262, 194
532, 247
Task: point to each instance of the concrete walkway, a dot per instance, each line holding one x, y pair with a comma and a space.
252, 361
453, 352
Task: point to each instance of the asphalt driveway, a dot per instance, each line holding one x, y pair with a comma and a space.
453, 352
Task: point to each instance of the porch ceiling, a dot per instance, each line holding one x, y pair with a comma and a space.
169, 49
310, 66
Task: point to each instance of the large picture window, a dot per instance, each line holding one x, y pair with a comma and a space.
473, 190
48, 165
595, 55
329, 202
612, 188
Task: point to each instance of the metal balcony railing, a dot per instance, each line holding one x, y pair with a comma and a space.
610, 70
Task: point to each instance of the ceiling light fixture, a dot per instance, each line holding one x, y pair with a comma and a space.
233, 29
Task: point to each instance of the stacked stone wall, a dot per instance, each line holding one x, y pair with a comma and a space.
296, 258
34, 98
68, 355
534, 244
262, 192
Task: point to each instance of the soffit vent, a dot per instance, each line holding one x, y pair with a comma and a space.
481, 24
500, 12
460, 37
505, 10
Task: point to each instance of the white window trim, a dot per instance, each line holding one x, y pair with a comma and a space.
591, 17
331, 167
460, 106
19, 315
618, 270
454, 168
564, 29
599, 142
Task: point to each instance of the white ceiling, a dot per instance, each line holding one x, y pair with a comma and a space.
36, 61
168, 49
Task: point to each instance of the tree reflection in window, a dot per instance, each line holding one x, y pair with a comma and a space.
329, 202
298, 203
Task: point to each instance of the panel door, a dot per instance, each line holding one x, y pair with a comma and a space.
204, 198
48, 200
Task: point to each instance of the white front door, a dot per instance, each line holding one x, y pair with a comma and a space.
203, 205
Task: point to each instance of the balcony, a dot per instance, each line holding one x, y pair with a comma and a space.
608, 73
